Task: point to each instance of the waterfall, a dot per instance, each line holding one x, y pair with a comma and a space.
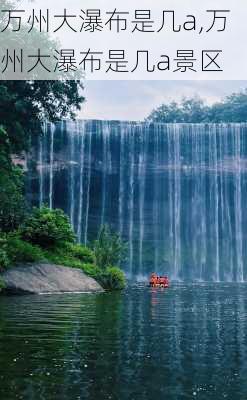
106, 169
41, 160
156, 171
174, 192
142, 189
73, 137
177, 202
89, 168
81, 180
121, 180
131, 198
238, 207
51, 166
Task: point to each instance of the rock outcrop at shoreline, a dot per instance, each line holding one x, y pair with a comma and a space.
47, 278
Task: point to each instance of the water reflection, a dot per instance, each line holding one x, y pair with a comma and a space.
182, 343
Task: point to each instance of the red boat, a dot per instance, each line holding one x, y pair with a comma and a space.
158, 281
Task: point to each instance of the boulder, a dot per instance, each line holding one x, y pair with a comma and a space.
48, 278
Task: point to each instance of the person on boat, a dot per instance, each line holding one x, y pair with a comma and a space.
153, 279
166, 281
157, 280
162, 281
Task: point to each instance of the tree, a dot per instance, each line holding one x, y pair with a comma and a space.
24, 105
12, 203
188, 111
193, 110
232, 109
47, 228
108, 249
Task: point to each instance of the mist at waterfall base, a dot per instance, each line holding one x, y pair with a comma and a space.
176, 193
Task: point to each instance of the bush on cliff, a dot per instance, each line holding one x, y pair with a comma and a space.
111, 278
81, 252
47, 228
20, 251
13, 250
46, 235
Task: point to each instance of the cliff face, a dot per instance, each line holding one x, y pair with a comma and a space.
48, 278
174, 192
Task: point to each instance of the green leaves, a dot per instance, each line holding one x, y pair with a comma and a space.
193, 110
47, 228
12, 204
23, 106
113, 278
19, 251
108, 249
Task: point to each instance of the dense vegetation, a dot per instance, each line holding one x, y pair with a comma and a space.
24, 105
34, 235
46, 235
194, 110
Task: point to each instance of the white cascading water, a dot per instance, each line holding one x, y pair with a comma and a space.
131, 201
121, 180
238, 206
88, 185
73, 138
81, 181
51, 167
106, 170
42, 140
174, 192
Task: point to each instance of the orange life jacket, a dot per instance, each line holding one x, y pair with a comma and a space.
153, 279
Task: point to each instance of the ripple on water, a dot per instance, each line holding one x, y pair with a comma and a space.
189, 341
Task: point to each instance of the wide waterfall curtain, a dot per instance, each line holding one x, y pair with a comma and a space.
174, 192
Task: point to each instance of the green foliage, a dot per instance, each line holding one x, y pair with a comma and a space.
2, 285
61, 256
4, 259
19, 251
46, 235
82, 253
75, 256
91, 270
12, 204
232, 109
108, 249
24, 105
47, 228
112, 278
189, 110
193, 110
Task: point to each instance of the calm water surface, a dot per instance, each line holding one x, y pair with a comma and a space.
183, 343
